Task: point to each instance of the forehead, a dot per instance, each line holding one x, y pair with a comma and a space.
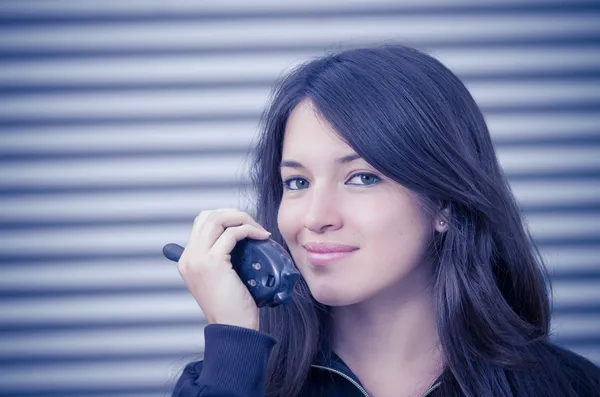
307, 133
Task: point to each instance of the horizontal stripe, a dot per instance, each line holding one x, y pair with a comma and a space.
158, 272
129, 325
592, 308
562, 140
589, 309
11, 19
8, 89
25, 258
583, 107
156, 373
250, 117
34, 155
134, 391
574, 275
118, 342
83, 359
42, 53
538, 162
581, 229
591, 174
502, 96
163, 220
177, 304
268, 67
232, 149
98, 291
163, 185
506, 130
295, 32
136, 342
107, 290
27, 360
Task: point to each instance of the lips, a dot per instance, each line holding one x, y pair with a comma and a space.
323, 254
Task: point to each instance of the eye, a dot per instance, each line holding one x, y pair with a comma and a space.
364, 179
295, 184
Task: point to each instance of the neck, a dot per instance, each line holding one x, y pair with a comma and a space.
392, 333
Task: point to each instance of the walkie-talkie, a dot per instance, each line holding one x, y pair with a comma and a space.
264, 267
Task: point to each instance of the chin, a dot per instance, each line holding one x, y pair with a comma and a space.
331, 296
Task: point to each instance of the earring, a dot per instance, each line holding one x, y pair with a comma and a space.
442, 223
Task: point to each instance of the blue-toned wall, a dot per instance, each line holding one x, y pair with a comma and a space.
120, 121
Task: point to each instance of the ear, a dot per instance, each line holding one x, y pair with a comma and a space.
441, 220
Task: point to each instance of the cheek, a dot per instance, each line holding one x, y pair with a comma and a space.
288, 220
395, 228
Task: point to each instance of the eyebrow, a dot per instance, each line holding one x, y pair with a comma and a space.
342, 160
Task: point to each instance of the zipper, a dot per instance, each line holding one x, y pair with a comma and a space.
432, 388
362, 389
343, 375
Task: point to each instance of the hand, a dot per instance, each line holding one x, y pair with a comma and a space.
206, 268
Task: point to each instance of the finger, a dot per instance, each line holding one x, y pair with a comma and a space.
217, 222
194, 242
203, 215
247, 216
198, 222
230, 237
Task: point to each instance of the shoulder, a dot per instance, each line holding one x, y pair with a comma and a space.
573, 363
549, 370
581, 373
235, 363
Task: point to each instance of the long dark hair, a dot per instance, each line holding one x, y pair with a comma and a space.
414, 121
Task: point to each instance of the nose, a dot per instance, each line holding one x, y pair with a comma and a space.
323, 211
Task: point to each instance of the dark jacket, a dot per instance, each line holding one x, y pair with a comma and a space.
235, 365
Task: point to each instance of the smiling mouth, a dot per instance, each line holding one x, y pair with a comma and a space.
324, 256
322, 248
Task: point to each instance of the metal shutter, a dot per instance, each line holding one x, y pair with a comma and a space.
120, 121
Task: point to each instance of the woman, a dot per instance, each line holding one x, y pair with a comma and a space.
376, 171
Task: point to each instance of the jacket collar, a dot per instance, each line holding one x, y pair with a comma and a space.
326, 357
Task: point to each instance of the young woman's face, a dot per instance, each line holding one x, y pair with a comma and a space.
352, 232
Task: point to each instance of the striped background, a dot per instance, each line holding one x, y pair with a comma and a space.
120, 121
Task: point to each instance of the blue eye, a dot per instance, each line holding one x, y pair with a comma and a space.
295, 184
364, 179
